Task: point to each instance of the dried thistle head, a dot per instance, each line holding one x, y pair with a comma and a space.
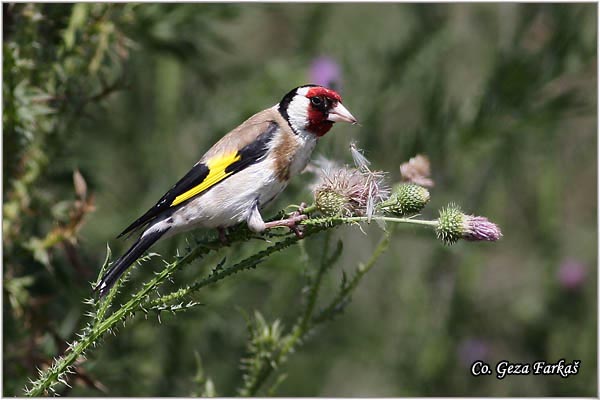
350, 192
417, 170
375, 194
454, 225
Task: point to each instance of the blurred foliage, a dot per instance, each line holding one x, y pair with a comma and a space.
106, 105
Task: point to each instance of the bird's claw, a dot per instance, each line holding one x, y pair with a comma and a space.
301, 208
291, 222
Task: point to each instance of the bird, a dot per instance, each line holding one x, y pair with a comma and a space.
240, 174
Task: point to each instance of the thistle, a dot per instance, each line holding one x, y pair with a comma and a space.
406, 199
349, 192
352, 195
331, 203
454, 225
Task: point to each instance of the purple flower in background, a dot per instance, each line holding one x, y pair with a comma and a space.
571, 274
471, 350
325, 71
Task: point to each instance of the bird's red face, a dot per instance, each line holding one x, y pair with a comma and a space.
314, 109
322, 102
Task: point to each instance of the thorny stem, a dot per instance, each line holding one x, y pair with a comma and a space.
299, 330
307, 322
316, 285
253, 261
141, 298
59, 368
219, 274
350, 286
52, 375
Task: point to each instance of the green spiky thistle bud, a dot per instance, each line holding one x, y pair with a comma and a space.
406, 199
450, 224
330, 203
454, 225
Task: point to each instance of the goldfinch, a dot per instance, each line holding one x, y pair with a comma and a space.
241, 174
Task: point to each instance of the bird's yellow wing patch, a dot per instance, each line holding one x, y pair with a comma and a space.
217, 172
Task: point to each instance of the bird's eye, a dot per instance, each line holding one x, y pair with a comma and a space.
316, 101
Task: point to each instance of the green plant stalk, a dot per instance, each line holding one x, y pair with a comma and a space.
310, 209
219, 274
306, 322
361, 272
349, 220
301, 326
102, 307
137, 302
62, 365
321, 223
314, 288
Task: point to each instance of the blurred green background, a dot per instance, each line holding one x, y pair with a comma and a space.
501, 97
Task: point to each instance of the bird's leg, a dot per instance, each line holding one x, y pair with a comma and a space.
291, 222
301, 208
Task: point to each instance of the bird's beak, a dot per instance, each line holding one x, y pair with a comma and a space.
339, 113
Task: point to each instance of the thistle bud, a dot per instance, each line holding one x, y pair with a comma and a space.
454, 225
406, 199
450, 224
330, 203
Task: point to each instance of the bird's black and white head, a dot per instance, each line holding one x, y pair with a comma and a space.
314, 109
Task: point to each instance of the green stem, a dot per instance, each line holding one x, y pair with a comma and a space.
347, 220
140, 299
314, 288
219, 274
310, 209
62, 365
348, 288
251, 388
307, 322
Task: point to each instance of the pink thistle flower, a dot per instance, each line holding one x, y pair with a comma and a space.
480, 228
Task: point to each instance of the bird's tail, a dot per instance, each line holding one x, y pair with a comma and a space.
125, 261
